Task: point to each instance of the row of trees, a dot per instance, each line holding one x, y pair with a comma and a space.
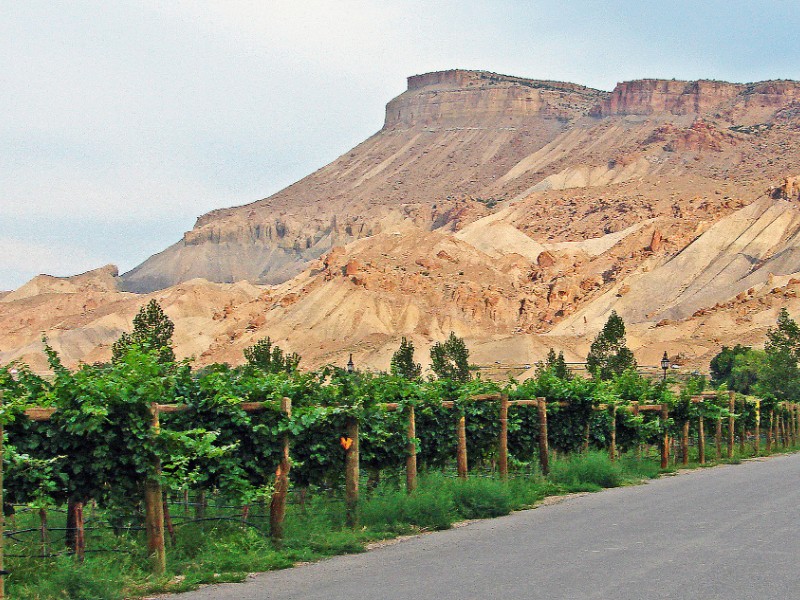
609, 356
100, 443
771, 373
144, 370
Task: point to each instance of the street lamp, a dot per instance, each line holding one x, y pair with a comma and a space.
350, 365
665, 364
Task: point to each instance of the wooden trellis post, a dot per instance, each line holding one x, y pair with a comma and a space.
44, 536
731, 422
411, 451
461, 455
701, 439
718, 438
544, 449
586, 433
277, 506
797, 421
351, 462
503, 450
685, 443
2, 512
612, 446
742, 428
154, 509
665, 437
770, 430
635, 409
784, 429
757, 441
200, 505
787, 436
79, 532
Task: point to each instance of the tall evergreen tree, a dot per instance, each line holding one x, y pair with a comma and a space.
779, 376
609, 355
450, 360
270, 358
152, 330
555, 364
403, 362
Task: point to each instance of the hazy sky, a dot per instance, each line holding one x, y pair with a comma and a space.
122, 121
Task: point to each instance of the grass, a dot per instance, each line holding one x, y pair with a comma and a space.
426, 509
586, 472
99, 578
223, 551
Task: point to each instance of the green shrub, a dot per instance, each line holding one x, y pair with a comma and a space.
525, 491
96, 579
384, 509
639, 468
481, 498
428, 509
594, 469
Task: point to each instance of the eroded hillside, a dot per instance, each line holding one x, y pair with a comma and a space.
514, 212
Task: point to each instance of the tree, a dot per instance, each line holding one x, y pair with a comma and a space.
152, 330
745, 373
779, 376
608, 354
737, 368
722, 364
555, 364
403, 363
450, 360
271, 359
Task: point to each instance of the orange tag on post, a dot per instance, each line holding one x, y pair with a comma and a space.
346, 442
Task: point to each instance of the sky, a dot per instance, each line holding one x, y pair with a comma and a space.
122, 121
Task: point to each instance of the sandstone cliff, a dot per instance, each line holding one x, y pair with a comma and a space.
515, 212
456, 144
445, 140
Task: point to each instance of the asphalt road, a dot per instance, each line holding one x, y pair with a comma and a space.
729, 532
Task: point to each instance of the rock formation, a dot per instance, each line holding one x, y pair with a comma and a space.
789, 189
512, 211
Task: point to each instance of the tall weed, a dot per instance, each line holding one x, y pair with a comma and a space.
425, 508
480, 498
586, 471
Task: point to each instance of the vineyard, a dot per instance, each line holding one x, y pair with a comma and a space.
135, 440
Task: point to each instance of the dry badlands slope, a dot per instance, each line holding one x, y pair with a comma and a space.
514, 212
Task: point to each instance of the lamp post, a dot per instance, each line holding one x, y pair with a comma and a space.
665, 365
350, 365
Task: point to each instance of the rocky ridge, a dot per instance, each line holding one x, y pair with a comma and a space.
515, 212
458, 141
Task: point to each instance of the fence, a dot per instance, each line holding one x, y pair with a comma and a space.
783, 427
